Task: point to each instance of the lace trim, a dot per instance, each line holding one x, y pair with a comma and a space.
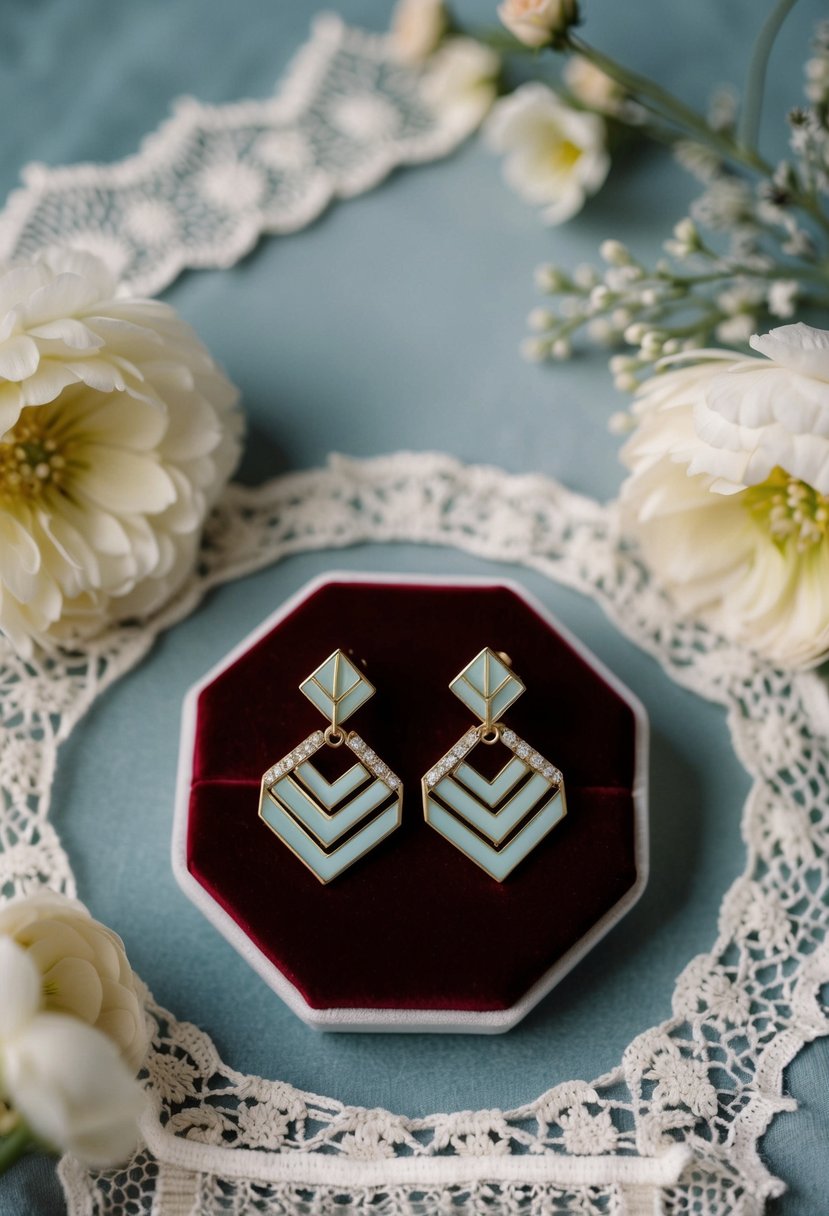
706, 1081
212, 179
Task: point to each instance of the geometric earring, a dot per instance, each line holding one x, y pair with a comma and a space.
495, 823
329, 825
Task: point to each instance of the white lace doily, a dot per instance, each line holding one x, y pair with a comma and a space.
674, 1128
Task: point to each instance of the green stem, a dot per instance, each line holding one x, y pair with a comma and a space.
749, 125
663, 103
14, 1146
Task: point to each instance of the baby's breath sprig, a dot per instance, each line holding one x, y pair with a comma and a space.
754, 247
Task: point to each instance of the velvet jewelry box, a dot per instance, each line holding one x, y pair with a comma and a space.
413, 936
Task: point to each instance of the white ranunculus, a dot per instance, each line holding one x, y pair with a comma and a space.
417, 27
65, 1079
117, 432
83, 966
460, 80
555, 155
536, 22
728, 493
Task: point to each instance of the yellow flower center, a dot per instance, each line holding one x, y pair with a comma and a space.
790, 510
565, 154
30, 460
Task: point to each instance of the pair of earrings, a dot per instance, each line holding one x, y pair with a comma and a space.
496, 823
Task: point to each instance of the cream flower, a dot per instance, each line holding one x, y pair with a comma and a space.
82, 966
417, 27
555, 155
728, 493
117, 432
65, 1079
536, 22
460, 80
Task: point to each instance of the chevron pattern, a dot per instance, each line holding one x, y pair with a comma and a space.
495, 823
329, 825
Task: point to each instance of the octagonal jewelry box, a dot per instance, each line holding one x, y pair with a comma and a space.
413, 936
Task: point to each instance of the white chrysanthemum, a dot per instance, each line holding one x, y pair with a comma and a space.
728, 493
117, 431
555, 155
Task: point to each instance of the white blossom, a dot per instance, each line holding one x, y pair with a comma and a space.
117, 432
83, 967
555, 155
728, 493
64, 1078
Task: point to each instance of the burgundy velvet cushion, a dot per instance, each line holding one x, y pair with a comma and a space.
414, 924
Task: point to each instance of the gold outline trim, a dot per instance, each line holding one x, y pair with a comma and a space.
305, 786
398, 795
497, 842
336, 655
487, 696
528, 768
475, 860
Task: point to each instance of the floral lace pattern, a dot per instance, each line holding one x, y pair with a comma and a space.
680, 1117
672, 1129
212, 179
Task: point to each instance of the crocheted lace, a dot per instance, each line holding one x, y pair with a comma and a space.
674, 1128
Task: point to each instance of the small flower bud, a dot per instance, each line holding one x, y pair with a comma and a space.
651, 345
621, 423
615, 253
549, 278
535, 350
600, 297
541, 319
634, 333
561, 349
626, 383
585, 276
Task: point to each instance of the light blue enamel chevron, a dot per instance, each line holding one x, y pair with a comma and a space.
491, 792
331, 793
498, 825
328, 828
498, 864
337, 682
328, 865
487, 682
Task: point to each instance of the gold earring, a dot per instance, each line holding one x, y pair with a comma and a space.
494, 823
324, 823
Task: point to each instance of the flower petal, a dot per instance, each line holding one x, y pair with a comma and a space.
800, 347
72, 1088
123, 482
19, 986
19, 357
